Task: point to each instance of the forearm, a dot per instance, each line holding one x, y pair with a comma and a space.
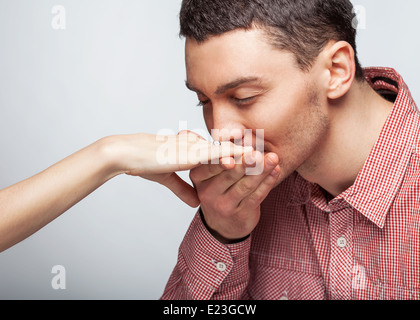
29, 205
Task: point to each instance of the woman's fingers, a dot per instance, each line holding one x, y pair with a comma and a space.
188, 150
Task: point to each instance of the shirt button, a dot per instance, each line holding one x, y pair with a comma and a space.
221, 266
284, 298
342, 242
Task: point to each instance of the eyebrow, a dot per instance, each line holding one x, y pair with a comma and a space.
225, 87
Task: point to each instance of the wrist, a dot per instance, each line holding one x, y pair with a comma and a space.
110, 155
217, 235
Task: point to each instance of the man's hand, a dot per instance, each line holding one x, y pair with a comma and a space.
230, 199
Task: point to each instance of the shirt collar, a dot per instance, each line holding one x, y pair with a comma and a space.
378, 182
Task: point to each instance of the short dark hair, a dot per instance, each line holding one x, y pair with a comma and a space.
302, 27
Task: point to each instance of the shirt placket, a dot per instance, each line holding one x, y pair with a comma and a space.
341, 245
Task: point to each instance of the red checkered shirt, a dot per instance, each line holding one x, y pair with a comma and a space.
364, 244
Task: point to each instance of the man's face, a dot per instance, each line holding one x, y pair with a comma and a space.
244, 83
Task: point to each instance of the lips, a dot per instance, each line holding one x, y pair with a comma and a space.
260, 147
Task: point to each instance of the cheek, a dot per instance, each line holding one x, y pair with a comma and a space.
276, 119
292, 124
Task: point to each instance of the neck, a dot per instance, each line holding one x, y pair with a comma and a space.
356, 122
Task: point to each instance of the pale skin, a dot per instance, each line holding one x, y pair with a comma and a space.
320, 122
29, 205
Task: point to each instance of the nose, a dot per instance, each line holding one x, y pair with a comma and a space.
227, 125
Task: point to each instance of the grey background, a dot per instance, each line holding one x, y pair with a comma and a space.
117, 68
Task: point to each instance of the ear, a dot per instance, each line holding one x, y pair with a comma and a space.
342, 69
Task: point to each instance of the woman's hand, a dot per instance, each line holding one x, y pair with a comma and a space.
157, 158
31, 204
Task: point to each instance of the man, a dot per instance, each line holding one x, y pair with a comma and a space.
336, 212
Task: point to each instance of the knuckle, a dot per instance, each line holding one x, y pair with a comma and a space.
256, 198
197, 174
235, 175
246, 186
215, 169
194, 175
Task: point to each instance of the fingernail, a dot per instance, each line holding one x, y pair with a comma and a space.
250, 158
272, 159
227, 160
275, 172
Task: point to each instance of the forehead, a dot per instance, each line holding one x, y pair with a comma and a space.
236, 54
233, 44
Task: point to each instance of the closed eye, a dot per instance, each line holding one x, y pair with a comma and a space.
237, 101
202, 103
244, 101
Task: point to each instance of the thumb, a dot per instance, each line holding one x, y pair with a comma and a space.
182, 190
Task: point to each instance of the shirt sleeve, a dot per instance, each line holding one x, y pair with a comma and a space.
207, 269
